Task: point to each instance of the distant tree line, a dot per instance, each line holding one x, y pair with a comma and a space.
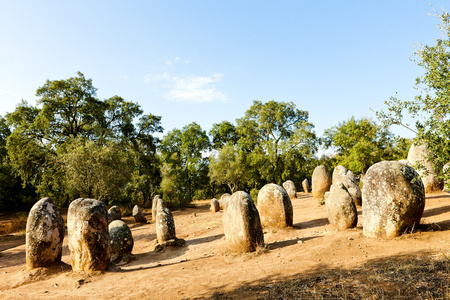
72, 144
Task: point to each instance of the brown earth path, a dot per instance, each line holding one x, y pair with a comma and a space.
204, 267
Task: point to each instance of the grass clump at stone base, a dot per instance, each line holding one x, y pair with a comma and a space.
412, 278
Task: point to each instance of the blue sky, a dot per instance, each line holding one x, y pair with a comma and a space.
206, 61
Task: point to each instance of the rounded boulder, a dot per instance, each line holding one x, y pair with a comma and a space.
289, 186
215, 205
138, 215
114, 213
274, 206
241, 224
121, 241
321, 182
44, 234
345, 176
305, 185
418, 157
87, 226
341, 208
393, 199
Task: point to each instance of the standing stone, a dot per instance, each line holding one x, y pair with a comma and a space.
341, 174
321, 182
224, 200
87, 225
44, 234
419, 155
165, 226
289, 186
138, 215
274, 206
341, 209
393, 199
114, 213
121, 242
305, 185
154, 204
215, 205
241, 224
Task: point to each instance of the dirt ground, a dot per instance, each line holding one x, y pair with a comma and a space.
204, 268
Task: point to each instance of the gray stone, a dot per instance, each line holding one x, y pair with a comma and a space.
419, 156
154, 209
138, 215
341, 209
321, 182
274, 206
165, 225
289, 186
305, 185
241, 224
114, 213
215, 205
224, 200
87, 225
44, 234
121, 242
341, 174
393, 199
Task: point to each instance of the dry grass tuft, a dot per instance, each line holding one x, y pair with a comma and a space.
413, 278
17, 224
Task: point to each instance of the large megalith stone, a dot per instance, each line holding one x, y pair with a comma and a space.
341, 209
138, 215
44, 234
274, 206
114, 213
121, 242
345, 176
289, 186
321, 182
418, 157
241, 224
154, 208
87, 225
393, 199
224, 200
215, 205
305, 185
165, 228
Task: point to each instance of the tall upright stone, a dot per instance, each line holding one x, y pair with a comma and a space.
321, 182
274, 206
419, 155
154, 208
215, 205
305, 185
241, 224
341, 209
345, 176
87, 225
224, 200
139, 215
393, 199
165, 225
44, 234
289, 186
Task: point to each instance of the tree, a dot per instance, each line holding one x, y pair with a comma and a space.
361, 143
431, 108
228, 168
272, 134
68, 113
183, 162
223, 133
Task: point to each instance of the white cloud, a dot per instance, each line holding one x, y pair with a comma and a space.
176, 60
191, 88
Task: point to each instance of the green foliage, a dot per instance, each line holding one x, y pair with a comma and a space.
223, 133
229, 167
73, 144
431, 108
184, 169
361, 143
278, 140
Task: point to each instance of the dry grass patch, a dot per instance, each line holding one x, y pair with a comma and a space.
16, 224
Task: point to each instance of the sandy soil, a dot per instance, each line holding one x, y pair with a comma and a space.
204, 266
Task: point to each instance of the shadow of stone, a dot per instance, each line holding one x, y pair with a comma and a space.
204, 239
287, 243
312, 223
436, 211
